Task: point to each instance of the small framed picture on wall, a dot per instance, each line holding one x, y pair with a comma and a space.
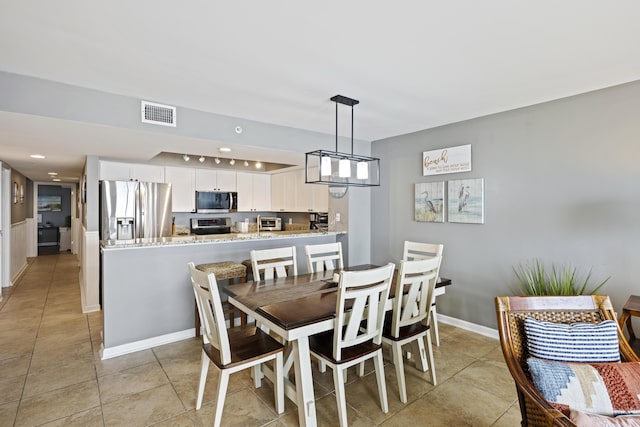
429, 202
466, 201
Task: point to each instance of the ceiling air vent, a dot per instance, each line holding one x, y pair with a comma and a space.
158, 114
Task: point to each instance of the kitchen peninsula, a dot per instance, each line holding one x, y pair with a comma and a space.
147, 297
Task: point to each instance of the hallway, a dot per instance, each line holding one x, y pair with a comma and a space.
51, 374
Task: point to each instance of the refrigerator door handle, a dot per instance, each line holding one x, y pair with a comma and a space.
140, 211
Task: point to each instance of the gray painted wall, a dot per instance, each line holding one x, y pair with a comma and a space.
561, 184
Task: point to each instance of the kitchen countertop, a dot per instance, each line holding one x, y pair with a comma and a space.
212, 238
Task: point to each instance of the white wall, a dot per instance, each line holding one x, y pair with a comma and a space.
18, 252
561, 184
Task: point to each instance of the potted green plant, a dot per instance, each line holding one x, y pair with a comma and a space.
535, 280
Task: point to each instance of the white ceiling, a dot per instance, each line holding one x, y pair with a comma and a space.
412, 64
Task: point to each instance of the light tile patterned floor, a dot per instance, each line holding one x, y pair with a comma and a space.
51, 374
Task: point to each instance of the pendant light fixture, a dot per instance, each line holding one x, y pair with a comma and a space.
342, 169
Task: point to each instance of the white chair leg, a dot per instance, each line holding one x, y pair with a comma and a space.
223, 382
361, 369
434, 325
382, 385
341, 399
396, 349
278, 385
422, 366
203, 379
257, 376
432, 365
322, 367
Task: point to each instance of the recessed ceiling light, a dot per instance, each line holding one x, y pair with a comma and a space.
225, 149
37, 156
238, 129
53, 173
56, 179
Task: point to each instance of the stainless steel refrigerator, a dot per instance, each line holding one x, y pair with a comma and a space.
131, 210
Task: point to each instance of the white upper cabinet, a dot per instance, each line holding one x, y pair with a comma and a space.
290, 193
114, 171
183, 188
215, 180
254, 192
147, 173
117, 171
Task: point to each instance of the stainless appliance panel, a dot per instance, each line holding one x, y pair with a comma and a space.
154, 210
269, 223
131, 210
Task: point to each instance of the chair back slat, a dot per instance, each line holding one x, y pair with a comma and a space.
272, 263
416, 283
415, 250
205, 289
360, 307
324, 257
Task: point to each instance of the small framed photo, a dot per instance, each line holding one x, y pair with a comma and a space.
15, 192
429, 202
466, 201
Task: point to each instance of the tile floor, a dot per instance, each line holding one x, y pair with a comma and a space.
51, 374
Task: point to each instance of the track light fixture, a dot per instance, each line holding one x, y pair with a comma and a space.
232, 162
201, 159
246, 163
186, 157
217, 160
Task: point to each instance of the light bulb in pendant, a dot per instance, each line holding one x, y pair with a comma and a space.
362, 171
325, 166
344, 168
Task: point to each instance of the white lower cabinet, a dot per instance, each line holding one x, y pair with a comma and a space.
254, 192
183, 188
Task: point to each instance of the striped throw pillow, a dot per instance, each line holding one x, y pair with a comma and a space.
576, 342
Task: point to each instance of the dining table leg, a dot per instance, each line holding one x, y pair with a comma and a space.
304, 382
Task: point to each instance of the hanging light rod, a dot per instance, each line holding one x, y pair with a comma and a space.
342, 169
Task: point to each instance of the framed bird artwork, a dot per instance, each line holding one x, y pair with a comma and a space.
429, 202
466, 201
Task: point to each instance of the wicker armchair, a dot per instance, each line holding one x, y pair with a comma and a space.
512, 311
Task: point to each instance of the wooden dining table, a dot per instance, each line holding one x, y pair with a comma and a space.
295, 308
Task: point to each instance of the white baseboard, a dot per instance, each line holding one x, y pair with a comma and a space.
16, 277
90, 308
108, 353
472, 327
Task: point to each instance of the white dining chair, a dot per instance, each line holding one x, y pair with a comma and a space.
231, 351
417, 251
274, 263
357, 334
324, 257
409, 320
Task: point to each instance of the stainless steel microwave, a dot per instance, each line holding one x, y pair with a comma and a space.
216, 201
